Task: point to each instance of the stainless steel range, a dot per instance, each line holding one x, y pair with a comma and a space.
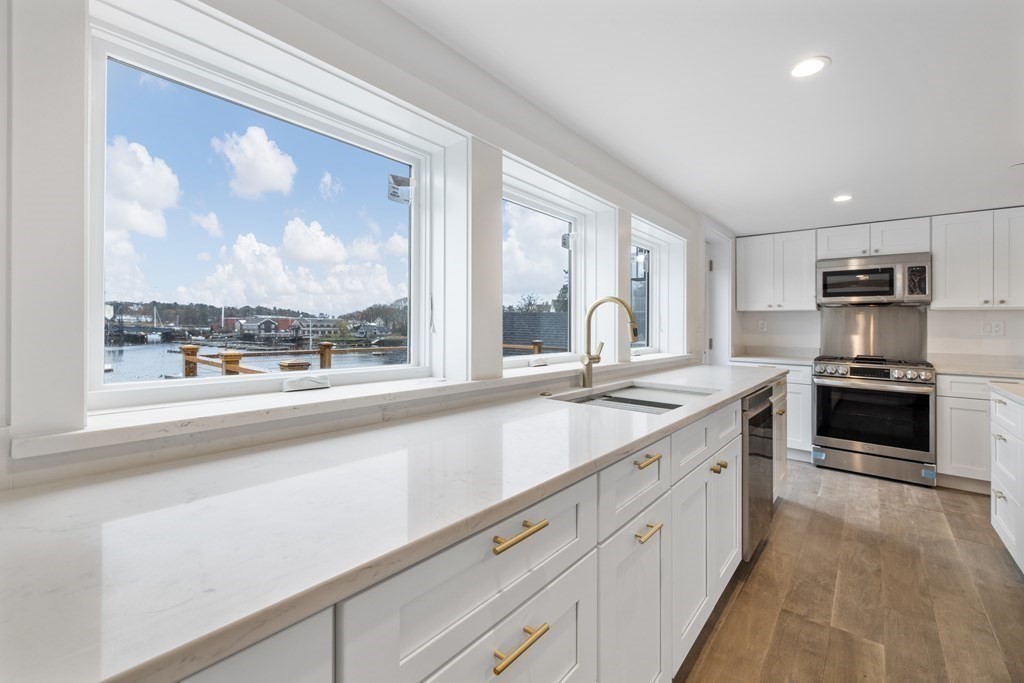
876, 416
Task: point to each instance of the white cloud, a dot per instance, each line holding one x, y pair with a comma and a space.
139, 188
397, 245
259, 164
253, 273
532, 254
366, 249
152, 81
304, 242
203, 256
329, 187
210, 223
122, 271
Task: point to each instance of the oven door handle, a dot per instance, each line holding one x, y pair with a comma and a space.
876, 386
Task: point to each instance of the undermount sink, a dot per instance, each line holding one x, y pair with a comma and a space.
641, 397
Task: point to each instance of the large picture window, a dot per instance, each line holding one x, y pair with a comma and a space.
239, 243
537, 281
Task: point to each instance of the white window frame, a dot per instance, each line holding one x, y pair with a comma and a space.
667, 282
653, 298
536, 189
352, 113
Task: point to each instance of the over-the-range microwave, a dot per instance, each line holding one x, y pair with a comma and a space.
897, 279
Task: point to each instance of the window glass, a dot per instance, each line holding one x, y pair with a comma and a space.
239, 233
640, 292
537, 282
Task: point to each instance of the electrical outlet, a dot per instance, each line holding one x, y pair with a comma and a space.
998, 328
762, 325
986, 328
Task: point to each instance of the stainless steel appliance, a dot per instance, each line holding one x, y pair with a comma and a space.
888, 331
876, 416
899, 279
758, 477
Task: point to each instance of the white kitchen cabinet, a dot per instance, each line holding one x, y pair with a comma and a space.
908, 236
776, 272
725, 528
963, 261
406, 627
845, 241
962, 435
875, 239
303, 653
780, 444
1008, 254
631, 484
552, 637
634, 599
798, 416
692, 586
1007, 449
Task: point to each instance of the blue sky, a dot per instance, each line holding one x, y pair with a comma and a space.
211, 202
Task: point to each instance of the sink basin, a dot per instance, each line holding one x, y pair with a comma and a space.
641, 397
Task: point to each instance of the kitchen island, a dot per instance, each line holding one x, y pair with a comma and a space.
157, 573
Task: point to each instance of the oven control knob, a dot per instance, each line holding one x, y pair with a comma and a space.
911, 374
897, 374
820, 369
844, 371
926, 376
831, 369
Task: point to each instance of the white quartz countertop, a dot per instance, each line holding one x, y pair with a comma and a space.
979, 365
1014, 392
152, 575
780, 360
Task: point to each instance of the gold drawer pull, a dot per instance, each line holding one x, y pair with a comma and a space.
781, 383
999, 495
999, 437
506, 660
999, 401
717, 469
651, 459
724, 464
506, 543
780, 411
654, 528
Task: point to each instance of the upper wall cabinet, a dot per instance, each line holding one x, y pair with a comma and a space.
973, 257
775, 272
875, 239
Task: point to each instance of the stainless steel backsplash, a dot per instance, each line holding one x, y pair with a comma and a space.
896, 332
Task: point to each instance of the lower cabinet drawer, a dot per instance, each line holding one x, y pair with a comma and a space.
691, 446
728, 422
631, 484
1007, 414
552, 637
406, 627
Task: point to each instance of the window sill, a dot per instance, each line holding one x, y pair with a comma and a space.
364, 403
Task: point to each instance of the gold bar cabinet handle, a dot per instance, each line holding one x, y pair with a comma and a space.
724, 464
506, 543
506, 660
780, 411
654, 528
651, 459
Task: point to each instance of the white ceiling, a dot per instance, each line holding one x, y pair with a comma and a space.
921, 112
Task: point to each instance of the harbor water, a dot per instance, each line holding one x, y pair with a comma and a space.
146, 362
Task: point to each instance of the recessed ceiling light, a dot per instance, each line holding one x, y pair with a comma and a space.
810, 66
842, 198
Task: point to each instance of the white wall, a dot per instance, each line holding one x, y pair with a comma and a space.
5, 270
788, 333
960, 332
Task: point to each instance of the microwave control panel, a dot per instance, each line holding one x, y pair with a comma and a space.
917, 280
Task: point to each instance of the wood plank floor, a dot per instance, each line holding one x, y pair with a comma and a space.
864, 579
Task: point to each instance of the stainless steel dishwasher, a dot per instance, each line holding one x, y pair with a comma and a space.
758, 477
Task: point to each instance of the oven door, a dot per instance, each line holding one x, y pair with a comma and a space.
864, 416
